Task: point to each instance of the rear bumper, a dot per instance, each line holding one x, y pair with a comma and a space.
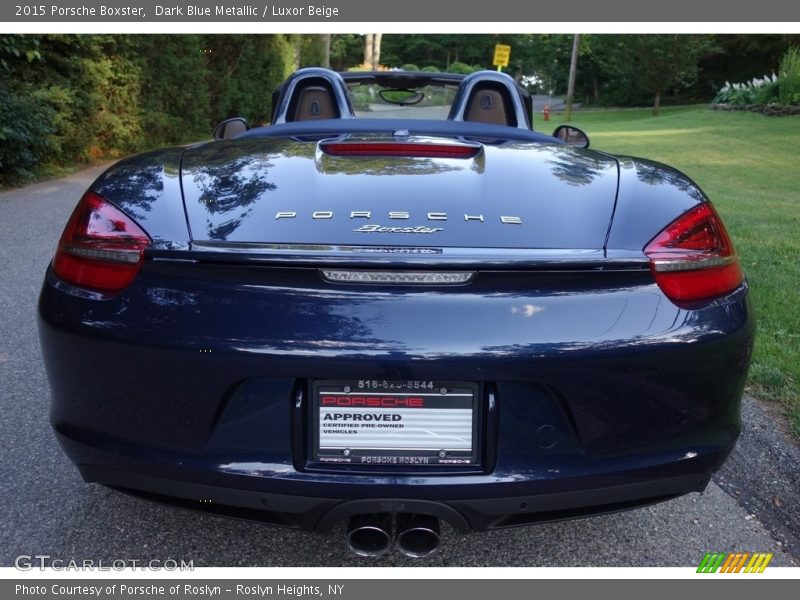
597, 397
579, 497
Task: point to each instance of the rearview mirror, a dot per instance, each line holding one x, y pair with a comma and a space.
572, 136
230, 128
401, 97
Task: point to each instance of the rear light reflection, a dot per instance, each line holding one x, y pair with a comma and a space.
693, 258
409, 149
101, 248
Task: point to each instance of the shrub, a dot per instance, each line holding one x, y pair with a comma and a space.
783, 89
361, 97
430, 69
26, 133
27, 113
242, 71
767, 94
410, 67
789, 79
759, 90
463, 68
68, 98
174, 107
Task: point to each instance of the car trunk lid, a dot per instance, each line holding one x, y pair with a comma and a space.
516, 195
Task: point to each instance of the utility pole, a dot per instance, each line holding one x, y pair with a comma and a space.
573, 67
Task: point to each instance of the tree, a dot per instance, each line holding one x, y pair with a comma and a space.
740, 58
27, 130
243, 70
376, 51
346, 50
312, 51
369, 42
176, 106
372, 51
655, 64
325, 40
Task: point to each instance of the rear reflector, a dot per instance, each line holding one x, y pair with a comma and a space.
693, 259
409, 149
101, 247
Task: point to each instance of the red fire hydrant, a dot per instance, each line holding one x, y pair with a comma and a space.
546, 112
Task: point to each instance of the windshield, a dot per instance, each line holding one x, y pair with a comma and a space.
373, 101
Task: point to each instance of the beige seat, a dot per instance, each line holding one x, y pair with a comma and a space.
314, 102
488, 105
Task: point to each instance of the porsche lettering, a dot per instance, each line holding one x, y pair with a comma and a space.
373, 401
398, 214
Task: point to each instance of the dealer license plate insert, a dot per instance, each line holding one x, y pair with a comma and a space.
395, 423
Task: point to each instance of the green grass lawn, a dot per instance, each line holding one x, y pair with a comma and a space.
749, 165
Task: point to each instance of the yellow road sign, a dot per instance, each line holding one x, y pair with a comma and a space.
501, 55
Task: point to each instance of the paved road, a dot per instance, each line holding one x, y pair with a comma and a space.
47, 509
556, 103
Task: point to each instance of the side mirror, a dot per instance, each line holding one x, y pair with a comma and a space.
230, 128
572, 136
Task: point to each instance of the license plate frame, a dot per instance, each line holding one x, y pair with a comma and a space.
441, 423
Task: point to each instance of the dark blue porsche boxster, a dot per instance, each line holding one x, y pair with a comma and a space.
394, 306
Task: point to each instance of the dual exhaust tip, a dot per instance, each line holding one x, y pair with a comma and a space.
416, 536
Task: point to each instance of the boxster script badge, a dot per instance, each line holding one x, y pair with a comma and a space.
373, 228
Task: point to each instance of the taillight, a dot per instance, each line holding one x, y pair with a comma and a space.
101, 247
693, 259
